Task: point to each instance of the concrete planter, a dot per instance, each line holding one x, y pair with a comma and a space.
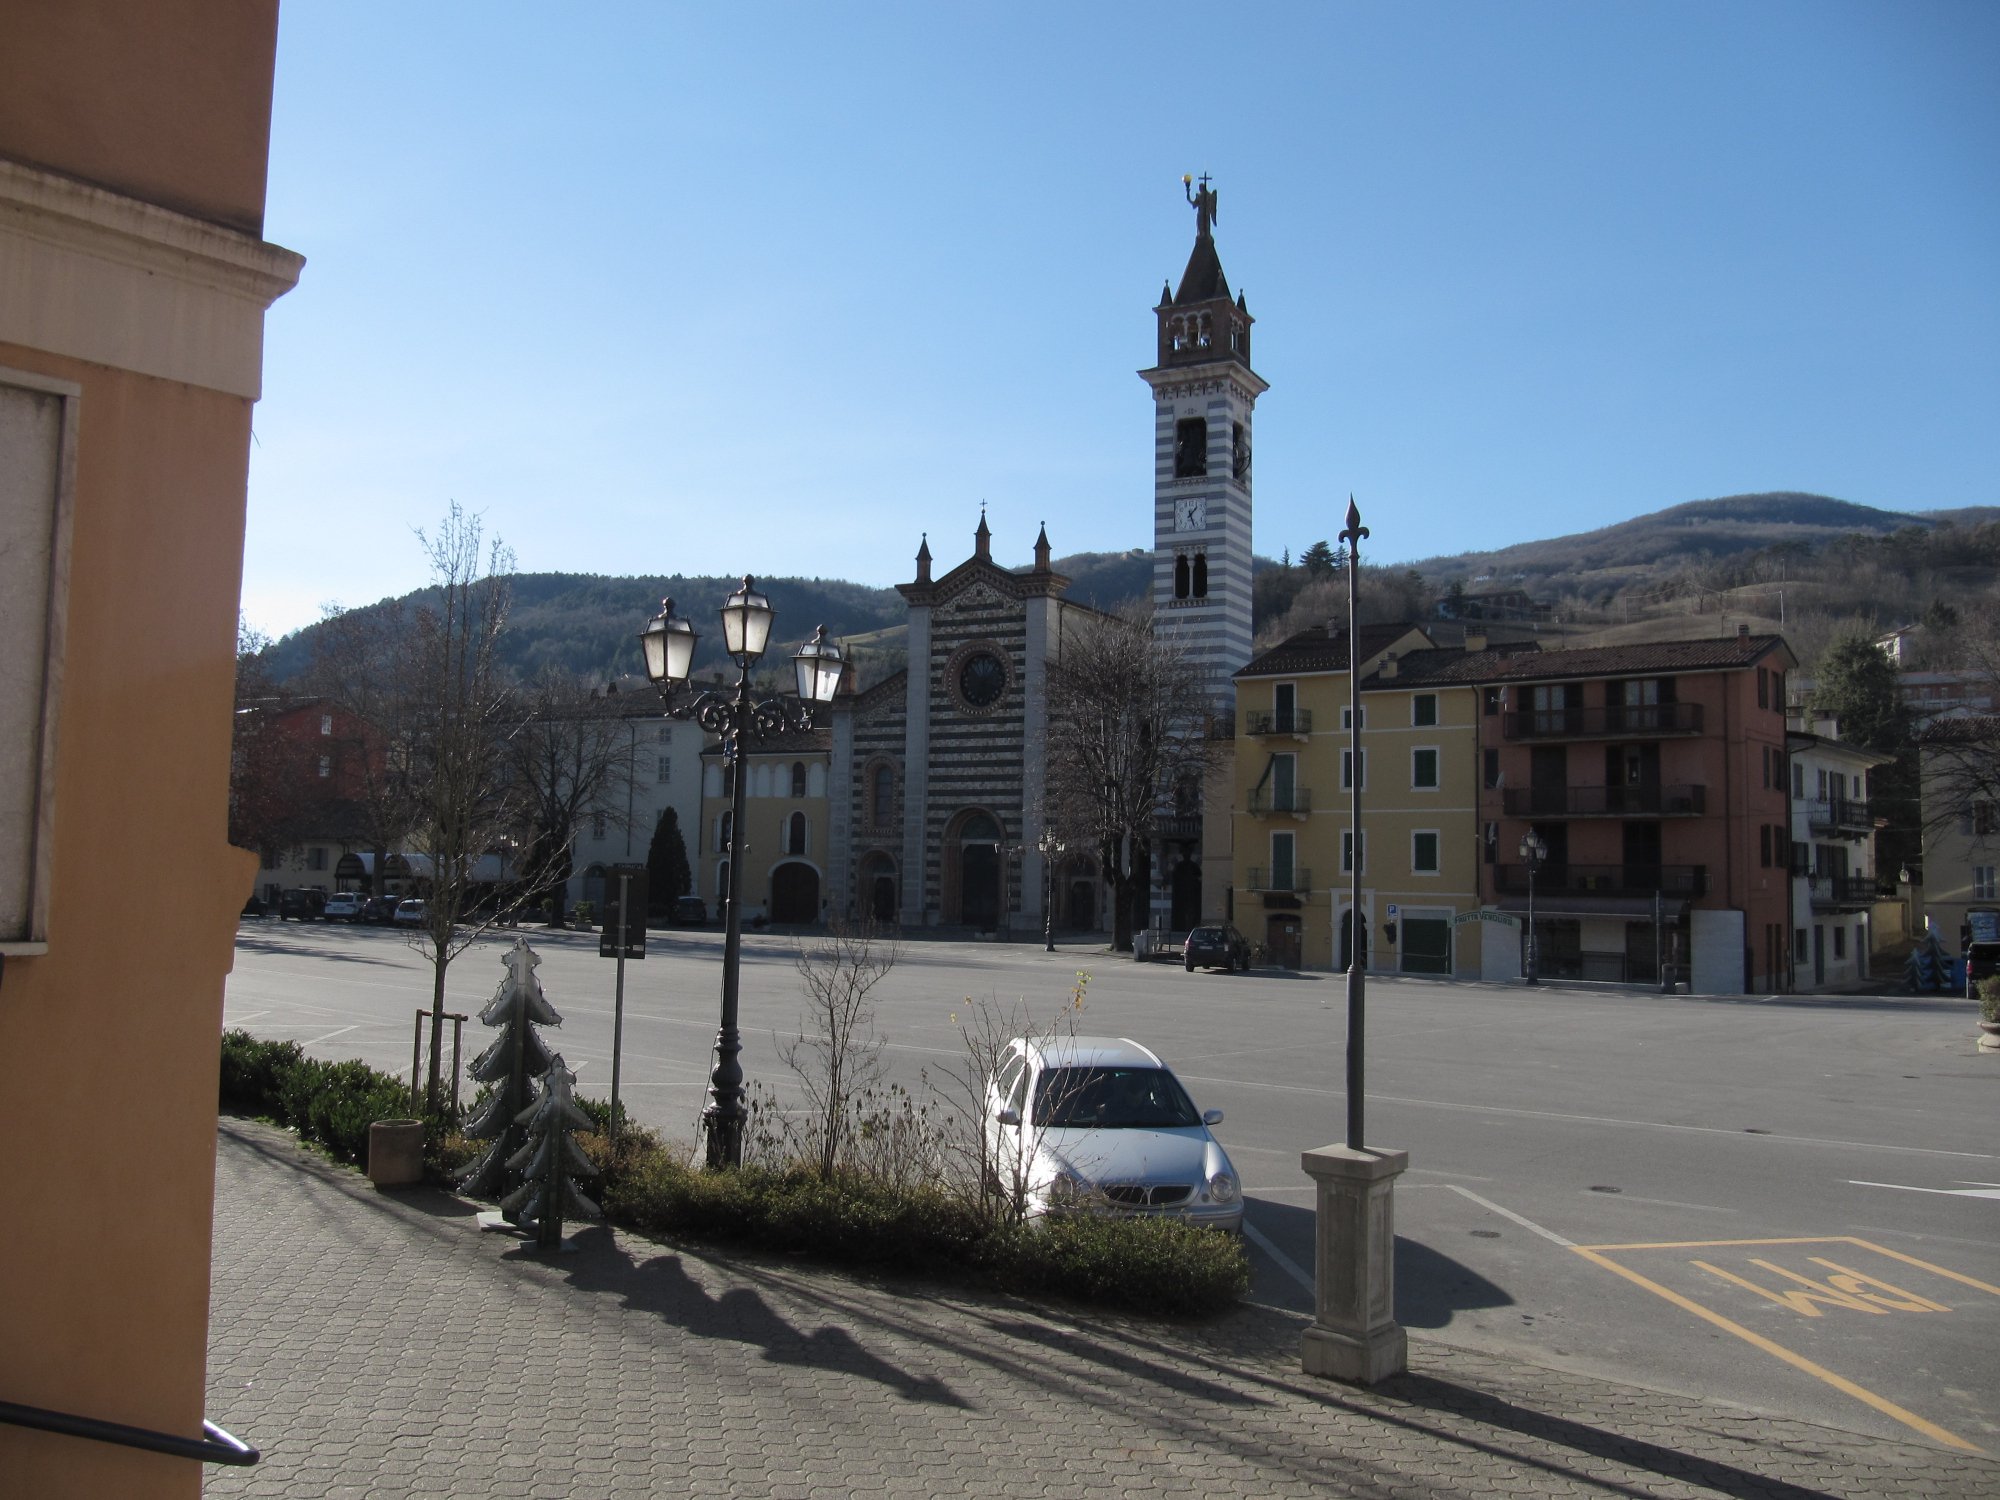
396, 1152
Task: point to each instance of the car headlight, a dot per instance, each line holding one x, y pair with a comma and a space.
1222, 1188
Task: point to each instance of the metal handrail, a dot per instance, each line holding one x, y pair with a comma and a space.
217, 1447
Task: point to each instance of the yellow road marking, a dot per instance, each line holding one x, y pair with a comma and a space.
1756, 1340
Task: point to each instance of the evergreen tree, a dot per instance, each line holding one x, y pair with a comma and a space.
516, 1057
668, 877
1318, 560
1857, 684
550, 1161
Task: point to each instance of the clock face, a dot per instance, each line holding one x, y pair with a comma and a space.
982, 679
1190, 515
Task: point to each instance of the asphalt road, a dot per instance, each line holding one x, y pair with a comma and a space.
1785, 1203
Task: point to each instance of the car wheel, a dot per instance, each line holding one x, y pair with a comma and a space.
1188, 964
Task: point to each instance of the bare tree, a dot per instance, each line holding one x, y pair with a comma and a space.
1961, 778
838, 1053
357, 667
1128, 720
568, 754
462, 805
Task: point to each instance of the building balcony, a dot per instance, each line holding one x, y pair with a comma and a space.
1622, 722
1680, 881
1605, 802
1841, 892
1298, 723
1293, 882
1270, 801
1839, 818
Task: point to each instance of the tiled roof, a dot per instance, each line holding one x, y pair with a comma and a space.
1716, 654
1970, 729
1447, 666
1320, 649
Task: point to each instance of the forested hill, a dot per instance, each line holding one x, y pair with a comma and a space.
1647, 550
589, 623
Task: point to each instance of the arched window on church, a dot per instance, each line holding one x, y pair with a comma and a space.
1201, 575
723, 827
798, 778
795, 833
1178, 329
1180, 575
1207, 334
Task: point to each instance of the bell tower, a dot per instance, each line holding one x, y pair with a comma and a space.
1204, 393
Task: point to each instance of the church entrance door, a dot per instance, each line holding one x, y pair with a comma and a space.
979, 886
795, 893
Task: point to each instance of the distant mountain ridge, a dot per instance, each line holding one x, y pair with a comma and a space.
589, 623
1698, 532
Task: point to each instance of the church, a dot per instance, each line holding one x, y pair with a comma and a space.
936, 774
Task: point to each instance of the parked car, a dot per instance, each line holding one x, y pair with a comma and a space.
255, 907
344, 906
1216, 945
410, 912
381, 909
301, 905
690, 911
1102, 1125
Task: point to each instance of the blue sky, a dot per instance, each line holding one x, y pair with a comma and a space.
778, 288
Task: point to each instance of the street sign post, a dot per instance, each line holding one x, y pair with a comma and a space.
624, 937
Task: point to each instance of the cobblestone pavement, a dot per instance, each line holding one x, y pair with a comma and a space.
375, 1344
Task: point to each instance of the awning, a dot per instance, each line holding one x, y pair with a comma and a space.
1632, 908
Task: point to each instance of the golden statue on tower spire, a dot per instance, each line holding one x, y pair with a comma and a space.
1203, 202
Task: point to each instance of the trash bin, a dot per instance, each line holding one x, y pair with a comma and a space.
396, 1152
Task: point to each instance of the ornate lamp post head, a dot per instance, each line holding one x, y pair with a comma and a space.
1534, 849
819, 666
746, 623
668, 642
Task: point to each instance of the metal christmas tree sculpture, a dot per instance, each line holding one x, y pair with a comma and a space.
551, 1161
511, 1064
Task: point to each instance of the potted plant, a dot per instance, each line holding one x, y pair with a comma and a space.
1989, 1010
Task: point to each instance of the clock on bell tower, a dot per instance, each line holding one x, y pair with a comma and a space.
1204, 393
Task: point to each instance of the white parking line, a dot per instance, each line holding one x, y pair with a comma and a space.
1278, 1257
329, 1036
1508, 1213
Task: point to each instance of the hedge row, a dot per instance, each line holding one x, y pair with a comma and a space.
1149, 1265
329, 1104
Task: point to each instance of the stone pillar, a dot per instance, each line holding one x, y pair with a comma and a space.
1355, 1335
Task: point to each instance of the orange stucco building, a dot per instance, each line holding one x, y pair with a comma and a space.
134, 281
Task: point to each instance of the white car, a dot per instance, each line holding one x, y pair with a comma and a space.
1100, 1124
409, 912
345, 906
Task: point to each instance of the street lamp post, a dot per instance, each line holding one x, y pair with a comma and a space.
1534, 849
1051, 848
1354, 1333
669, 643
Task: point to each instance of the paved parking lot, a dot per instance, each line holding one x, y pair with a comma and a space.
376, 1345
1615, 1185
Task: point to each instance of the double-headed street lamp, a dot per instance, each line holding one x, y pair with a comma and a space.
669, 643
1534, 850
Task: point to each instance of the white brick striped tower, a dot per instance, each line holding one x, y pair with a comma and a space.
1204, 392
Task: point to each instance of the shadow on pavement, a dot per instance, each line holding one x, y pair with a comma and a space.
1430, 1286
662, 1288
258, 943
1429, 1393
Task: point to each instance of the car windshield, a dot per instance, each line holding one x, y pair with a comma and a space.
1112, 1099
1207, 934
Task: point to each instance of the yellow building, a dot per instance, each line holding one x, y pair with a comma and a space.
784, 828
133, 283
1291, 810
